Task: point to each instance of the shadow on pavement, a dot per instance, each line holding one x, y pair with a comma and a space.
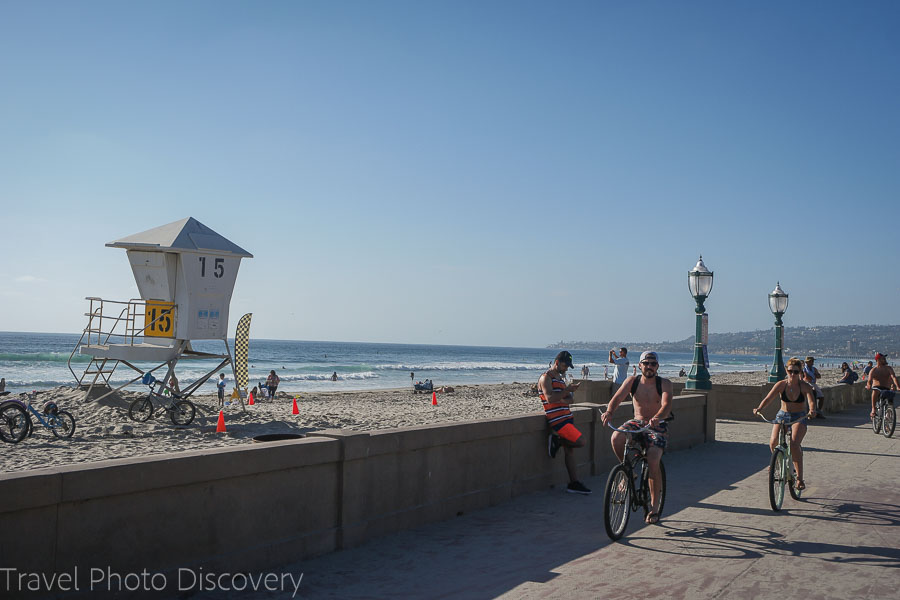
699, 539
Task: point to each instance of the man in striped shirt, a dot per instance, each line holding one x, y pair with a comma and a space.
556, 397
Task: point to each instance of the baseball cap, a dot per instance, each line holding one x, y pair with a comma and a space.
879, 356
565, 358
810, 359
649, 354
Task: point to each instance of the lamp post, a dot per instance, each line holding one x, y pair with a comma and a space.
700, 282
778, 303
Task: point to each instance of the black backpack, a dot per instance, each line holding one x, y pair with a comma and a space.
637, 382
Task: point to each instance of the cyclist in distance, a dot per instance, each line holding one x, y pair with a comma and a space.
883, 377
793, 392
651, 398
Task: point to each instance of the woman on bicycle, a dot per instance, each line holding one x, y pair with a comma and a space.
793, 391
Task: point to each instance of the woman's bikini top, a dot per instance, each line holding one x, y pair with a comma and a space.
784, 396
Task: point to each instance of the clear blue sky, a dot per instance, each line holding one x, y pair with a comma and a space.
465, 172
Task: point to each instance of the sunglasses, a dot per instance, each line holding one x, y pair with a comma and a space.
650, 363
793, 372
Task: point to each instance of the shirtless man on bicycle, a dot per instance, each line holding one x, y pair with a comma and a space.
882, 377
652, 401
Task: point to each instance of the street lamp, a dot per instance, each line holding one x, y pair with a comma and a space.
778, 303
700, 282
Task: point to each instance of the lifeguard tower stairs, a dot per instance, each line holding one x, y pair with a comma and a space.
185, 273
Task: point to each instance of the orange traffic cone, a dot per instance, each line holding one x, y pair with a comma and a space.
220, 426
250, 402
434, 398
296, 410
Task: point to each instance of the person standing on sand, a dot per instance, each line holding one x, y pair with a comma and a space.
621, 362
220, 390
585, 372
272, 382
556, 397
883, 377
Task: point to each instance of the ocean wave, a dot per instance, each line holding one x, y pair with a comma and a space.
55, 357
461, 366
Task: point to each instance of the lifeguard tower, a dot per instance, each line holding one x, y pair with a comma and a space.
185, 274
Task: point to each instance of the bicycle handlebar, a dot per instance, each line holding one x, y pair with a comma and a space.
774, 422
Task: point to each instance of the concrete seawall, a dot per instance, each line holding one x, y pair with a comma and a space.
258, 506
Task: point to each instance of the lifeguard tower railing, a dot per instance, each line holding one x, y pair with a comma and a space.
122, 323
136, 330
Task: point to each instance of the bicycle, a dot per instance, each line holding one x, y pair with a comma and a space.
181, 411
781, 466
60, 422
885, 419
628, 485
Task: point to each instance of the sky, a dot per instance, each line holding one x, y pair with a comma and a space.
459, 172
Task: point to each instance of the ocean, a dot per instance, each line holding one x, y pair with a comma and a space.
37, 361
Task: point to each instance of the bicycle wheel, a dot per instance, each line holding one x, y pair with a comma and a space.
14, 422
182, 412
777, 479
793, 482
662, 491
141, 410
876, 420
63, 424
616, 502
889, 423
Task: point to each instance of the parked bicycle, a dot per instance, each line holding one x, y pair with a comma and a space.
781, 466
628, 485
885, 419
180, 410
20, 425
13, 422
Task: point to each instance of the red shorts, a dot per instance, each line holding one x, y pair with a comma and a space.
567, 431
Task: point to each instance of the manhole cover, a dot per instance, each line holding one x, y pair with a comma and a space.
278, 437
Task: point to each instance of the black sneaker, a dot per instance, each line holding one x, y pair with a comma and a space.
576, 487
553, 445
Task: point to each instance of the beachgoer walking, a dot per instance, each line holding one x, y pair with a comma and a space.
585, 372
810, 375
882, 376
220, 389
793, 392
2, 385
334, 376
272, 382
412, 377
651, 397
621, 362
556, 397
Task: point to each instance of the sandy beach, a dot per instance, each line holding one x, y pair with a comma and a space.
104, 431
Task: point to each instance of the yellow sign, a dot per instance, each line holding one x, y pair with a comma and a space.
159, 319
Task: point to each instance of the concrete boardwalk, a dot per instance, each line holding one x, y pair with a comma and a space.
718, 538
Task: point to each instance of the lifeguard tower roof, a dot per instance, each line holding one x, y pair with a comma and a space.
187, 234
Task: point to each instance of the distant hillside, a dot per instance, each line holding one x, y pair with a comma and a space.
842, 340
